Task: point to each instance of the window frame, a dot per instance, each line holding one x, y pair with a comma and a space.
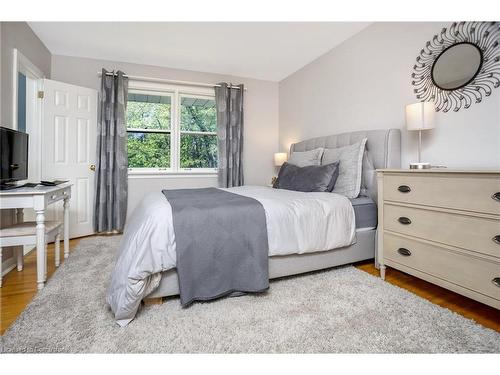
175, 92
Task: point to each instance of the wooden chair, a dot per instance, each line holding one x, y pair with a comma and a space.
25, 234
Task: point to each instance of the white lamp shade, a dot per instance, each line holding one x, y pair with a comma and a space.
279, 158
420, 116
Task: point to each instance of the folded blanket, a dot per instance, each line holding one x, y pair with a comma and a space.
222, 244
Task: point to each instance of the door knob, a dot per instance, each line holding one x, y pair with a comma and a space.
92, 167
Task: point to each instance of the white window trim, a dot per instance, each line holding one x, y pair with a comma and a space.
175, 92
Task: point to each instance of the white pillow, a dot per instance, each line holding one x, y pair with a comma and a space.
306, 158
350, 168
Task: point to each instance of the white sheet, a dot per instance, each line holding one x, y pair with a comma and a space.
297, 223
300, 223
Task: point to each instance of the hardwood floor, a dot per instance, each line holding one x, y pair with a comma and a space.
20, 287
481, 313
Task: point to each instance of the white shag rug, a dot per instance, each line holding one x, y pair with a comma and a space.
342, 310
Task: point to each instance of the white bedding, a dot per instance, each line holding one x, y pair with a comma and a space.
296, 223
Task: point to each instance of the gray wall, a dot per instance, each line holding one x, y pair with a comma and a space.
261, 118
16, 35
19, 35
365, 83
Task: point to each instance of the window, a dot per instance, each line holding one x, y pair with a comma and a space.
148, 127
171, 132
198, 132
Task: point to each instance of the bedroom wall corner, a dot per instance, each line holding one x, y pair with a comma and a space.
365, 83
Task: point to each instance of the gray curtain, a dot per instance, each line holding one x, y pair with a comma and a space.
111, 184
229, 103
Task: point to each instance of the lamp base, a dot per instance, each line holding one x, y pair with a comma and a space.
420, 166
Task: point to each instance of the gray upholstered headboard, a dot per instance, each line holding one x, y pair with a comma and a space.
383, 146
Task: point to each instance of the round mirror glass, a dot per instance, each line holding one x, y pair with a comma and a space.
456, 66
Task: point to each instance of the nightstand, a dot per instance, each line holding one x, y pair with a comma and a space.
442, 226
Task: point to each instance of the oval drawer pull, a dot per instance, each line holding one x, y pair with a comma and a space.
53, 196
404, 220
496, 281
496, 196
496, 239
406, 253
407, 189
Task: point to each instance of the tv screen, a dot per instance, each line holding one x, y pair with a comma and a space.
13, 155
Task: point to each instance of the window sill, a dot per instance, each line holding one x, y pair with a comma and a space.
138, 174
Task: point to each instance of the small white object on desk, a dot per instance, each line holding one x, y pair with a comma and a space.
39, 198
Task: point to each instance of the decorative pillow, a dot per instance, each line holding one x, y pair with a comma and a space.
350, 168
311, 178
302, 159
368, 174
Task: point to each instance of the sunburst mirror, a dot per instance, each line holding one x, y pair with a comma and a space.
459, 66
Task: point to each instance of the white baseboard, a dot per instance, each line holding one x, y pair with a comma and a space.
8, 265
11, 263
28, 248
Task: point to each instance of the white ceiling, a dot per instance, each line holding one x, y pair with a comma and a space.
269, 51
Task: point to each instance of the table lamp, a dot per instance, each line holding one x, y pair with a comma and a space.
279, 159
420, 116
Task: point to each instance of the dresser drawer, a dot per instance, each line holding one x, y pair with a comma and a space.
467, 271
464, 192
473, 233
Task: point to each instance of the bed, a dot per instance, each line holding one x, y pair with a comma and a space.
383, 149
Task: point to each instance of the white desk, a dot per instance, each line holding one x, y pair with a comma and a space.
39, 198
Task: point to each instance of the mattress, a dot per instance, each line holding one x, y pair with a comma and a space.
365, 212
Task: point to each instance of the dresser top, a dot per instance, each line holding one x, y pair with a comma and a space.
442, 170
38, 190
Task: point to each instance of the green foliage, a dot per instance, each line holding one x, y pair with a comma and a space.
142, 115
152, 150
198, 151
148, 150
199, 119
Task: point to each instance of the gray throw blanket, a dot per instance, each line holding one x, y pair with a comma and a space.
221, 243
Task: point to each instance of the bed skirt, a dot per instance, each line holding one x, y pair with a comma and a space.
287, 265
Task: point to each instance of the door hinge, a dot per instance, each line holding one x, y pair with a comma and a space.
40, 94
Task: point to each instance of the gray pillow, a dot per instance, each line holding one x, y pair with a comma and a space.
351, 161
311, 178
302, 159
368, 174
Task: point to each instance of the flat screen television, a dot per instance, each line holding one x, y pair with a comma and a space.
13, 157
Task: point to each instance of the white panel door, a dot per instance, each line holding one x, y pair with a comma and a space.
69, 148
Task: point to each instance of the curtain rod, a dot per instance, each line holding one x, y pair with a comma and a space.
187, 83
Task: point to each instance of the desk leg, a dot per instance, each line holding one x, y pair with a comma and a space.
19, 215
20, 250
66, 227
40, 248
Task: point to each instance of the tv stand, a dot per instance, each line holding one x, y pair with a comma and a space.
10, 186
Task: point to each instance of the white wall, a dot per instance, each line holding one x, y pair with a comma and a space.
261, 118
365, 83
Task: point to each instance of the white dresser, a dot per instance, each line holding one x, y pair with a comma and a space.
442, 226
